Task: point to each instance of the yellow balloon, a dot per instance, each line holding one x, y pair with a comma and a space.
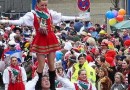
112, 22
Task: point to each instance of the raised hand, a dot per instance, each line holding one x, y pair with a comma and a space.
43, 30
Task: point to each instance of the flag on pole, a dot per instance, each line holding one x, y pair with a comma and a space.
33, 4
16, 53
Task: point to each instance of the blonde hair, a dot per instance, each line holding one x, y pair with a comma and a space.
79, 72
121, 76
38, 1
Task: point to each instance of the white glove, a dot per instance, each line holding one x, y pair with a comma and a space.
4, 21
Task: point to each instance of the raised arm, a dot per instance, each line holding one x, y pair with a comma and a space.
67, 84
26, 20
58, 17
30, 85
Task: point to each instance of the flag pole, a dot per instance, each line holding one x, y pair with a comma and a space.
128, 7
33, 4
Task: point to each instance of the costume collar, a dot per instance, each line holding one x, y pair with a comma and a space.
83, 83
42, 14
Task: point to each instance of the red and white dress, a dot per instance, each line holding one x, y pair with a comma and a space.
14, 81
43, 44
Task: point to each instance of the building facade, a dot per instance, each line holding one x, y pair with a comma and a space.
15, 5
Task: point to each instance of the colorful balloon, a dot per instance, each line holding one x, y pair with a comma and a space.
112, 22
121, 12
115, 12
109, 14
120, 18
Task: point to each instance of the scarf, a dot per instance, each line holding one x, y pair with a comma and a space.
84, 84
15, 67
15, 70
45, 18
42, 13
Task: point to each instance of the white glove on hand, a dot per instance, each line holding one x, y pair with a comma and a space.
4, 21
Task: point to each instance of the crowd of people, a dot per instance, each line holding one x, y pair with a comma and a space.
68, 54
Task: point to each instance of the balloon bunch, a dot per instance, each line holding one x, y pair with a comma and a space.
115, 16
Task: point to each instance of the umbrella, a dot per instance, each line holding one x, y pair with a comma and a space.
123, 25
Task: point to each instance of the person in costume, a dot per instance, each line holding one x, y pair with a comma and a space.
83, 64
45, 42
83, 83
14, 76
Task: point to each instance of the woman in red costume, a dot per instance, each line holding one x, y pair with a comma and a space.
14, 76
45, 42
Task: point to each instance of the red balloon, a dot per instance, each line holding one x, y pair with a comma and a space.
120, 18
